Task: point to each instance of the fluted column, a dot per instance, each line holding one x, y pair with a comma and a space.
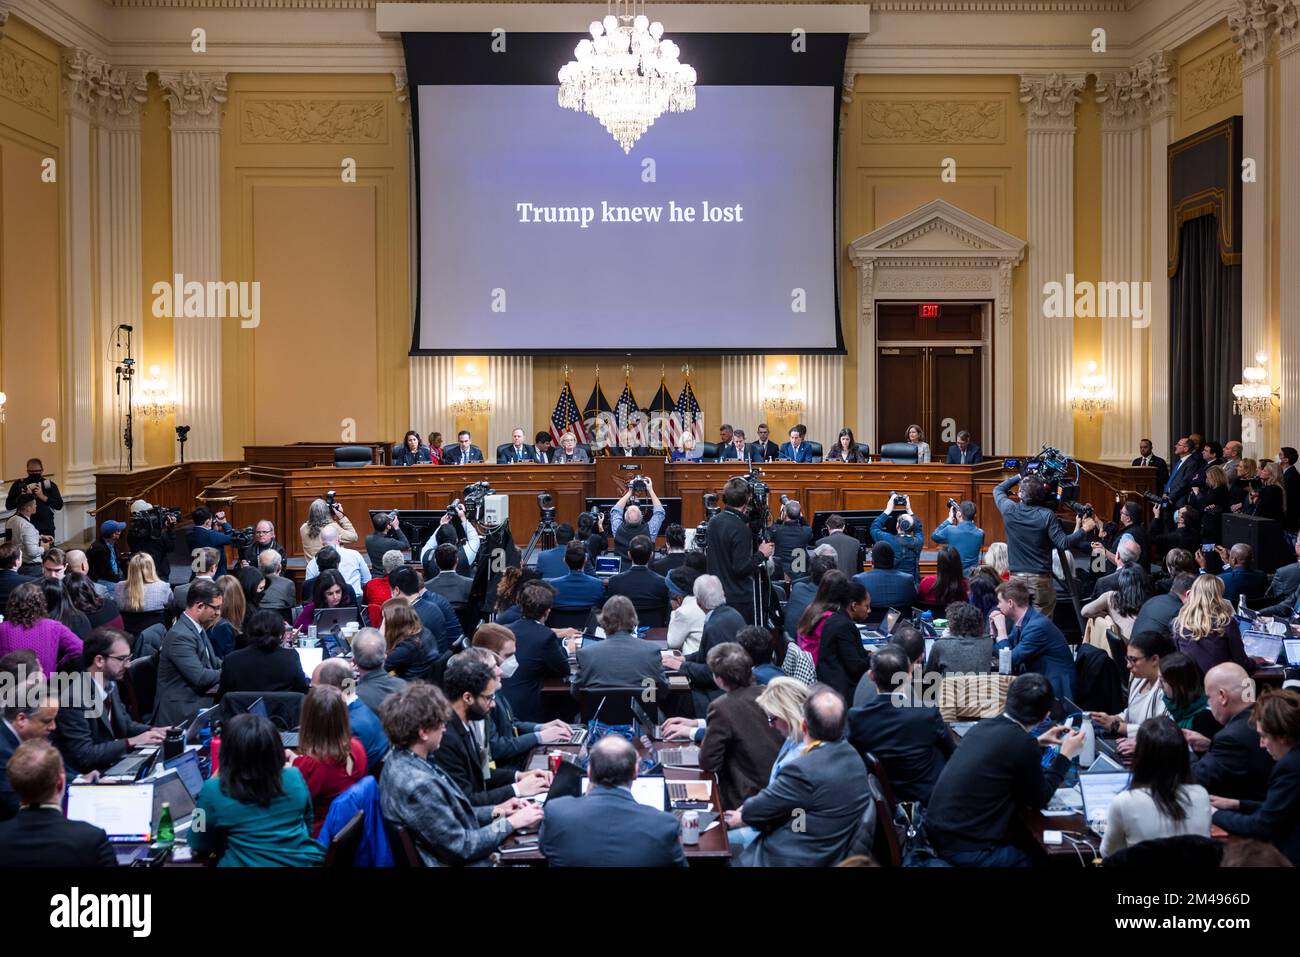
117, 154
1159, 104
510, 383
1049, 108
195, 102
821, 379
743, 378
77, 425
1288, 63
432, 382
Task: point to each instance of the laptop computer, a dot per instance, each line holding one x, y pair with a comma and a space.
201, 722
333, 619
567, 781
1098, 789
132, 766
335, 645
1260, 645
170, 789
687, 756
288, 739
651, 730
1292, 646
123, 811
883, 630
191, 773
607, 566
310, 658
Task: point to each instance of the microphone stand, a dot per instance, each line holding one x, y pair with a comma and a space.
125, 372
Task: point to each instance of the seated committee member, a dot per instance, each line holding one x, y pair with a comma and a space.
569, 451
765, 450
265, 663
916, 437
739, 744
687, 449
737, 450
1276, 818
622, 660
94, 736
1162, 799
826, 781
189, 670
608, 827
911, 740
416, 794
257, 812
39, 835
463, 453
412, 451
517, 452
543, 448
846, 449
1036, 643
796, 450
435, 447
997, 770
627, 446
965, 452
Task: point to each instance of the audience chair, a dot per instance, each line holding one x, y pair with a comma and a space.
137, 621
886, 790
886, 848
403, 845
141, 687
283, 707
568, 617
342, 850
1168, 854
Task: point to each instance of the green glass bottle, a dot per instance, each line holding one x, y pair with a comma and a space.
166, 831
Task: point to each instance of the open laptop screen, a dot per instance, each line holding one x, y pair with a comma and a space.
124, 811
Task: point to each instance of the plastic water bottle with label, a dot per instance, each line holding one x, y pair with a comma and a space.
1004, 661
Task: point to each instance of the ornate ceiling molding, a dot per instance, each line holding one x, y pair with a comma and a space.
890, 6
1050, 99
195, 99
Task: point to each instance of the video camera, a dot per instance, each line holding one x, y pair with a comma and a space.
242, 539
152, 522
1060, 476
474, 496
758, 513
546, 505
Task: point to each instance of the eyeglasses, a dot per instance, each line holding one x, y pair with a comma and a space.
126, 657
1132, 660
772, 720
488, 697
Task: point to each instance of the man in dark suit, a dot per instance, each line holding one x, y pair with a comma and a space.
374, 684
207, 560
1285, 587
797, 450
188, 667
577, 589
998, 770
517, 451
721, 624
730, 553
647, 591
11, 558
675, 538
847, 547
210, 531
739, 744
791, 535
808, 815
910, 740
737, 450
1148, 457
1179, 484
449, 583
1036, 643
964, 452
888, 587
550, 563
33, 716
280, 593
543, 447
608, 827
471, 687
1286, 457
39, 835
765, 450
463, 453
95, 736
1231, 764
1158, 612
436, 614
387, 536
539, 654
1240, 577
622, 660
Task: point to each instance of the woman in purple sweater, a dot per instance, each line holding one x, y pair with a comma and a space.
27, 625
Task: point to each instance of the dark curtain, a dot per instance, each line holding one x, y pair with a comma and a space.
1204, 335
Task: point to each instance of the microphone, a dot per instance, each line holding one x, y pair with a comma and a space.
126, 327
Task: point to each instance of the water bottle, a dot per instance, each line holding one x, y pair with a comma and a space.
1241, 605
1089, 753
1004, 661
166, 832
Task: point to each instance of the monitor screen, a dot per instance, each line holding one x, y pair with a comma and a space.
123, 811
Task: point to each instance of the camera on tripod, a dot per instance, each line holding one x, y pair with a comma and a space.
546, 505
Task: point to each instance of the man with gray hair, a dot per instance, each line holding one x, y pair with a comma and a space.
1127, 552
352, 566
631, 834
374, 684
622, 660
280, 593
791, 535
721, 624
626, 521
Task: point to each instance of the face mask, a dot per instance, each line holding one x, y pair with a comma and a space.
509, 666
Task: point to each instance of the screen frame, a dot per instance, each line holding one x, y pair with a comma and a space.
533, 59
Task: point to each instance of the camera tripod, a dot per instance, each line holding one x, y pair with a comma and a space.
543, 537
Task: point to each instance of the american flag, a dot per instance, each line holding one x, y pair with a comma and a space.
689, 413
625, 409
592, 412
662, 411
566, 417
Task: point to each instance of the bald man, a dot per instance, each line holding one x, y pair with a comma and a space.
1231, 764
1240, 577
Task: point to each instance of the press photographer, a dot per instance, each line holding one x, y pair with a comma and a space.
731, 554
210, 530
263, 539
153, 531
903, 532
1032, 528
628, 521
322, 512
48, 498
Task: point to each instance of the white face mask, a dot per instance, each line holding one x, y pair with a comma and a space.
509, 666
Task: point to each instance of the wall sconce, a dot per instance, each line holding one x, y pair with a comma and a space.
1252, 398
3, 399
474, 399
155, 400
1091, 396
781, 397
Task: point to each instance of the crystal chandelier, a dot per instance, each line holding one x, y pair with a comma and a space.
1252, 398
626, 75
474, 399
155, 401
1092, 397
782, 397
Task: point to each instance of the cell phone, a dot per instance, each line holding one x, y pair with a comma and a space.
1207, 548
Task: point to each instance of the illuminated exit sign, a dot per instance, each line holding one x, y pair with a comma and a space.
928, 310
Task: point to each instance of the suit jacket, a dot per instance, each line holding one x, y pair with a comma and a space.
666, 563
1157, 614
507, 453
43, 837
578, 590
8, 800
450, 585
973, 455
608, 827
378, 543
1235, 766
730, 454
374, 686
252, 669
180, 595
1276, 818
739, 745
621, 451
841, 658
199, 537
454, 455
550, 563
8, 582
559, 456
722, 625
730, 555
540, 655
790, 537
1291, 485
95, 743
1285, 586
888, 587
789, 454
829, 785
460, 757
1243, 581
1161, 467
620, 661
767, 451
848, 552
647, 591
187, 668
913, 743
1038, 645
279, 594
101, 568
1179, 484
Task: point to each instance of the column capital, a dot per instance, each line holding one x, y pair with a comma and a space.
195, 99
1253, 23
1050, 99
1118, 101
4, 18
95, 90
82, 74
1288, 25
